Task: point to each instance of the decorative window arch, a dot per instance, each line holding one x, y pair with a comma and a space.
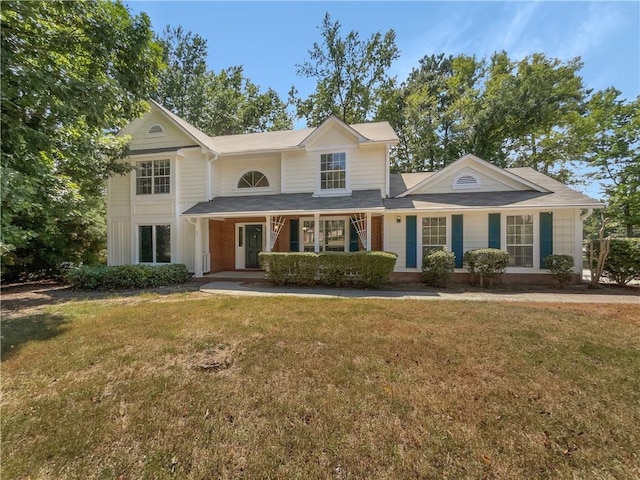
465, 181
155, 130
253, 179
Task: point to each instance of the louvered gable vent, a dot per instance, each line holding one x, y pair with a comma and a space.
466, 181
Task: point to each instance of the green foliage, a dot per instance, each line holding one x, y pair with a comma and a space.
358, 269
351, 75
560, 266
72, 74
511, 113
126, 276
486, 263
222, 103
437, 268
623, 262
610, 132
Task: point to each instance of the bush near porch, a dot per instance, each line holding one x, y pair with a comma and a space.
623, 262
337, 269
124, 277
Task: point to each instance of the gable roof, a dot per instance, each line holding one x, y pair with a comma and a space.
457, 165
331, 121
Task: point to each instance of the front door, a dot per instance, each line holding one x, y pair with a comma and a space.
253, 245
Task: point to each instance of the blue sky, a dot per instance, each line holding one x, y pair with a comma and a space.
270, 38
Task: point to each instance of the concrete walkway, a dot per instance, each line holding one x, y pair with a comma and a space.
261, 290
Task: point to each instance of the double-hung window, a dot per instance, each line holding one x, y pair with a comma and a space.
153, 176
154, 244
333, 235
520, 240
434, 234
333, 171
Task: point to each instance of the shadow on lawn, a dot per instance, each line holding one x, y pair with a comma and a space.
15, 332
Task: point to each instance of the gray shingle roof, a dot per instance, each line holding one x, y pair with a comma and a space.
287, 203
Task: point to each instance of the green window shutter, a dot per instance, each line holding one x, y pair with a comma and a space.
353, 238
456, 238
294, 244
411, 244
546, 236
494, 230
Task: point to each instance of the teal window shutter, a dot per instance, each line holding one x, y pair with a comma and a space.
353, 238
456, 238
546, 236
294, 244
494, 230
411, 244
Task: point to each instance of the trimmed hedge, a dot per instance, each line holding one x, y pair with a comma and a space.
486, 263
623, 262
560, 267
437, 268
338, 269
125, 277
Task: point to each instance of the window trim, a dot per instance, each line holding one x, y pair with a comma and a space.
154, 252
420, 249
534, 245
347, 175
347, 231
152, 177
447, 229
252, 190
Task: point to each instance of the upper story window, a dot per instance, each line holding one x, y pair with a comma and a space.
333, 171
520, 240
465, 181
153, 176
253, 179
155, 130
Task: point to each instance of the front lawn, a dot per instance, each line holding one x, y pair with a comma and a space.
177, 387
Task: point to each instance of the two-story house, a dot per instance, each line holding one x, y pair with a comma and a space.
214, 203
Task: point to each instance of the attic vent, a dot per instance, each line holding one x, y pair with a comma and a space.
155, 129
466, 181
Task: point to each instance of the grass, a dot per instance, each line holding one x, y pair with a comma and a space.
316, 388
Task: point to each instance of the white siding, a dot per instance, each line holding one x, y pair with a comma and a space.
366, 166
333, 136
119, 241
192, 177
475, 230
230, 169
216, 179
395, 241
489, 182
564, 228
172, 136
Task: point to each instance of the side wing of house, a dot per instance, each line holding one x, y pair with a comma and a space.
143, 206
472, 204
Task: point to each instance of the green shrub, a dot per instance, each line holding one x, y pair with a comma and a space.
623, 262
560, 266
126, 276
437, 268
486, 263
358, 269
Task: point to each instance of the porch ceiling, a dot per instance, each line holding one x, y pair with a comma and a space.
362, 200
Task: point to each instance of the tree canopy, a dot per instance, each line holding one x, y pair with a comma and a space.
222, 103
352, 74
72, 73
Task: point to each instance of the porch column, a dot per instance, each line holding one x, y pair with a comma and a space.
197, 261
268, 246
368, 231
316, 232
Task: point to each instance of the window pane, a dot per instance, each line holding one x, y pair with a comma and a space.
143, 186
145, 252
332, 233
520, 240
333, 171
163, 244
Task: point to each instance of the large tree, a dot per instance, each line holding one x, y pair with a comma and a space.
351, 73
512, 113
72, 74
610, 132
222, 103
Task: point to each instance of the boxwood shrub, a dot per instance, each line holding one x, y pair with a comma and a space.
560, 267
125, 277
338, 269
437, 268
486, 264
623, 262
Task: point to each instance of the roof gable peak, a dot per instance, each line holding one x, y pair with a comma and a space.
332, 121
